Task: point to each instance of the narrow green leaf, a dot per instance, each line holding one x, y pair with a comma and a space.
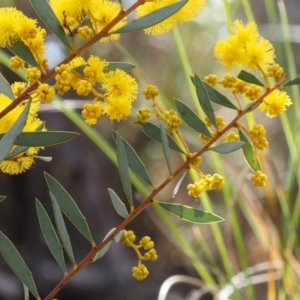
134, 162
123, 169
248, 77
153, 132
2, 198
5, 88
217, 97
191, 118
9, 137
26, 292
16, 263
45, 12
176, 189
50, 235
102, 251
152, 18
190, 214
118, 236
166, 148
126, 67
119, 206
249, 153
21, 50
17, 150
43, 138
69, 207
106, 247
227, 147
204, 100
292, 81
40, 127
44, 158
61, 229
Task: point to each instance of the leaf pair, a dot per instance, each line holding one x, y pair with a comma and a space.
127, 159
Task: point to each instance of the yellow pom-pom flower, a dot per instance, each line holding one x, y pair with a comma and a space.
120, 85
229, 52
18, 88
10, 23
275, 103
102, 14
245, 47
187, 13
23, 161
259, 53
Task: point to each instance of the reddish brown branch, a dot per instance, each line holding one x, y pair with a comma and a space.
154, 193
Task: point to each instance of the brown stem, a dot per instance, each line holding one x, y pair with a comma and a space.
104, 32
149, 199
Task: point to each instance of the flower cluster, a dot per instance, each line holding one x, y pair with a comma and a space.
207, 183
150, 92
15, 27
172, 119
140, 271
187, 13
245, 47
143, 115
72, 14
220, 124
232, 137
259, 179
257, 134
